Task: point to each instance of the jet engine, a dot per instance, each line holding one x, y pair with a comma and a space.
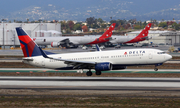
103, 66
55, 44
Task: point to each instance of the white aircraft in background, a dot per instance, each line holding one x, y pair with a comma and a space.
99, 60
132, 39
82, 40
75, 40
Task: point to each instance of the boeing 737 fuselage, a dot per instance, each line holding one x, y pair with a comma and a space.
99, 61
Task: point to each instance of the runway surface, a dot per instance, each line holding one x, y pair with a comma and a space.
91, 83
44, 70
18, 52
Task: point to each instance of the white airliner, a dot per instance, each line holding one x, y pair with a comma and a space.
82, 40
99, 60
75, 40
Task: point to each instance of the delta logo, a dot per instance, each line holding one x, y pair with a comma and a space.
134, 52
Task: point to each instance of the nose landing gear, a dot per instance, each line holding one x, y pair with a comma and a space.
88, 73
156, 69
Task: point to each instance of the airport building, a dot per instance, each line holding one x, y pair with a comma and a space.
160, 37
8, 35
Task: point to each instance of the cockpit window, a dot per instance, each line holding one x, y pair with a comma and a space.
161, 53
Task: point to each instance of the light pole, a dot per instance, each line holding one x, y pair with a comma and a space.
3, 32
40, 21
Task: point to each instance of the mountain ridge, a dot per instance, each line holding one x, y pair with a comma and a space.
81, 9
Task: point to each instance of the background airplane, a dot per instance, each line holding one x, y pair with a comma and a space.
81, 40
99, 60
76, 40
143, 35
132, 39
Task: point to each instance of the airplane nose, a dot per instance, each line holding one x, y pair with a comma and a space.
168, 57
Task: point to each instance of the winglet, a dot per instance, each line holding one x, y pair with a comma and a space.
97, 47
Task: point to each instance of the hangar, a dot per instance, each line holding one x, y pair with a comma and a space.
157, 37
8, 35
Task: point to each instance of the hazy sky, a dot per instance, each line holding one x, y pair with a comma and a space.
14, 5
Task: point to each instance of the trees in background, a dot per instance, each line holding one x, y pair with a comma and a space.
77, 27
176, 26
120, 24
163, 25
70, 25
85, 28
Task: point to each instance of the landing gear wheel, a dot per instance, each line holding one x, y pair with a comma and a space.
98, 72
156, 69
88, 73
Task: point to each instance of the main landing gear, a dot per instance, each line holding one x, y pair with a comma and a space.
98, 72
89, 73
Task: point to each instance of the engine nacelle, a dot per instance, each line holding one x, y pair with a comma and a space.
117, 67
55, 44
103, 66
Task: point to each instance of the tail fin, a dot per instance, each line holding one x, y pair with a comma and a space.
108, 32
142, 35
28, 46
145, 31
106, 36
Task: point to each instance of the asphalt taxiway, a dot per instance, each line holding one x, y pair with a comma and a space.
91, 83
44, 70
18, 52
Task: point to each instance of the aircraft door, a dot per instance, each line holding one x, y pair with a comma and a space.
150, 55
43, 62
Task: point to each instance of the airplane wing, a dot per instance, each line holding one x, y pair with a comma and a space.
75, 63
65, 41
145, 38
